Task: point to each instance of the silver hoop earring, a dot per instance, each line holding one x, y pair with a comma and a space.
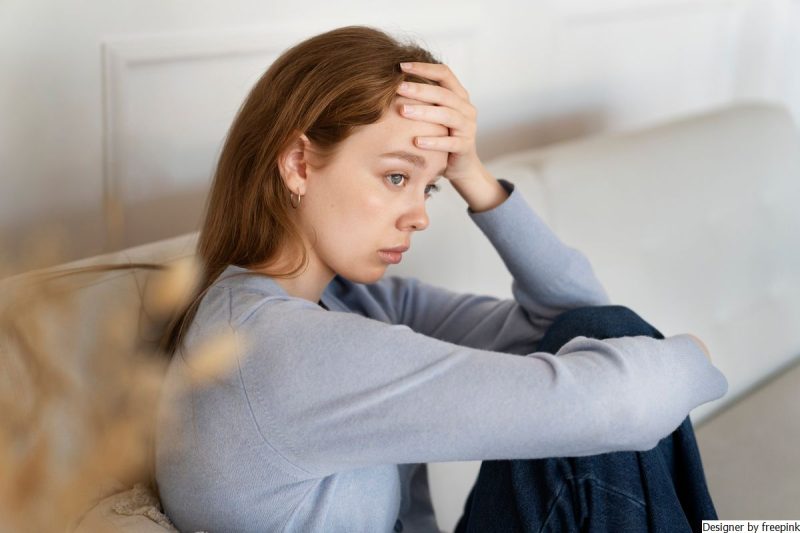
291, 199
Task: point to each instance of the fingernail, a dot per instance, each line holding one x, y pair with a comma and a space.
408, 110
405, 66
404, 86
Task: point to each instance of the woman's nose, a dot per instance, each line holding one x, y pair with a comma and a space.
416, 218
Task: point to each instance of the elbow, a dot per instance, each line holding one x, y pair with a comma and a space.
662, 411
649, 423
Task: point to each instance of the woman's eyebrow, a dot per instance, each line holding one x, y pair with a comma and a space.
416, 160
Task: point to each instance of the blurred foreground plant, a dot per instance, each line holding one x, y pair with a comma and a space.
78, 401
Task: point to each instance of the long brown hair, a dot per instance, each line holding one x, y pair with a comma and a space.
323, 87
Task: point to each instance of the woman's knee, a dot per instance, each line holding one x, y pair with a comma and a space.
599, 322
599, 317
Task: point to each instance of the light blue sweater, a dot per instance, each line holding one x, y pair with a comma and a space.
328, 420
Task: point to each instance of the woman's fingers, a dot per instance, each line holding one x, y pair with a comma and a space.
455, 145
450, 107
437, 95
701, 344
450, 101
445, 116
437, 72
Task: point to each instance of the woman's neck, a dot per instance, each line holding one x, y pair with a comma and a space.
309, 284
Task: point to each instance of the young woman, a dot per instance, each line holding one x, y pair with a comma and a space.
348, 381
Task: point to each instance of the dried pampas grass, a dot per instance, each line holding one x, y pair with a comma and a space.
78, 414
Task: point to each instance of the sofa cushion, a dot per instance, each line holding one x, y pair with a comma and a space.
134, 510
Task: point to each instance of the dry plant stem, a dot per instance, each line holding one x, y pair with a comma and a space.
76, 417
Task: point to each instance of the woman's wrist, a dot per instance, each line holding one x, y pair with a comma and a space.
482, 193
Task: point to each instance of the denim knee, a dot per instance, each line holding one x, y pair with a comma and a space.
598, 322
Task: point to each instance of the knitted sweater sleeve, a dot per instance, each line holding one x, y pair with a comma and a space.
333, 391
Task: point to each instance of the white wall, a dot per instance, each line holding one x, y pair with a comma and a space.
125, 103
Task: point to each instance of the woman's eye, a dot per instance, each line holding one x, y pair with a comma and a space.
393, 181
397, 179
430, 189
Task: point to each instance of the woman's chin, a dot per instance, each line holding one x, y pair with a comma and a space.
365, 276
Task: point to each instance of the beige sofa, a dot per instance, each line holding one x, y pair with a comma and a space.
692, 222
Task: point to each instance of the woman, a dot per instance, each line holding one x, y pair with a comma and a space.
348, 381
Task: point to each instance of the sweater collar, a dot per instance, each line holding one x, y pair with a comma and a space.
234, 276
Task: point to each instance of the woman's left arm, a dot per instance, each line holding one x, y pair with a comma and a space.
549, 277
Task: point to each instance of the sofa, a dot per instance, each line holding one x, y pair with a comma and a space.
691, 222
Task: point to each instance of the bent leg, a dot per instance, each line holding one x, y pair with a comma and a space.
662, 489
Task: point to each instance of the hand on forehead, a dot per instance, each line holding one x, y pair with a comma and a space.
430, 128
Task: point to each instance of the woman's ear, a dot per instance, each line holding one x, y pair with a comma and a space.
292, 163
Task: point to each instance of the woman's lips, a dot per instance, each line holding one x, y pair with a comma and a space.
390, 257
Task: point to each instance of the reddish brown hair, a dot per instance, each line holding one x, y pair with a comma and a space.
323, 87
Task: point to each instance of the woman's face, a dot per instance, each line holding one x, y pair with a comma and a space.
365, 201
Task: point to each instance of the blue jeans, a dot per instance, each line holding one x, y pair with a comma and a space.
659, 490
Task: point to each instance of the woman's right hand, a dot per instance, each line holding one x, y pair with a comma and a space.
702, 345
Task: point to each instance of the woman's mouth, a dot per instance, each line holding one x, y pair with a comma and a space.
390, 257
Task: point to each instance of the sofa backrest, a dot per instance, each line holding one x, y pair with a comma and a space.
99, 296
691, 223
